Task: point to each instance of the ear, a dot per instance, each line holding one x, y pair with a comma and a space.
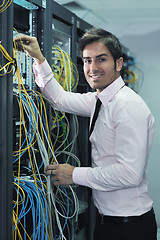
119, 64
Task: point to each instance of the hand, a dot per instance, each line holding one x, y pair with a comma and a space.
31, 46
61, 174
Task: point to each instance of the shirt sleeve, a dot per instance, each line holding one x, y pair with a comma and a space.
75, 103
134, 129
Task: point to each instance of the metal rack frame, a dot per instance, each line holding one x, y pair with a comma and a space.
42, 29
6, 98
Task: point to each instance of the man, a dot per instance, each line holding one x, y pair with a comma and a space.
120, 141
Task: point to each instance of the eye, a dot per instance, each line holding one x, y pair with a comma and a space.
87, 61
101, 59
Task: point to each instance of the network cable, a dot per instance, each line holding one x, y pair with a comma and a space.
10, 65
5, 4
60, 203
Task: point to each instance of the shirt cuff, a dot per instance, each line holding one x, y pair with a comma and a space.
80, 175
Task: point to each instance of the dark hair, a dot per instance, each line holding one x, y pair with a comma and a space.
102, 36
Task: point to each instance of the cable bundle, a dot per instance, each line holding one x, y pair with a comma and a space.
33, 211
133, 76
10, 65
64, 70
5, 4
52, 211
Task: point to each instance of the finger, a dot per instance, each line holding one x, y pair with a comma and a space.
49, 172
49, 167
22, 38
20, 45
52, 173
23, 41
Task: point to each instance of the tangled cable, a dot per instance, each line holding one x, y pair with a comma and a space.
10, 65
52, 210
64, 70
133, 75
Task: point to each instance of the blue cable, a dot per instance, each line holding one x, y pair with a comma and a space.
29, 131
37, 216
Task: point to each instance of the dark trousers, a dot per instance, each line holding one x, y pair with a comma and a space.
138, 229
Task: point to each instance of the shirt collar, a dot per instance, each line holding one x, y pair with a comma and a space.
109, 92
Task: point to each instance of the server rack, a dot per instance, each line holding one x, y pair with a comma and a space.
6, 19
35, 21
43, 17
76, 28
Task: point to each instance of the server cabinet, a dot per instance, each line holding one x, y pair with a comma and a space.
30, 219
6, 19
52, 24
72, 25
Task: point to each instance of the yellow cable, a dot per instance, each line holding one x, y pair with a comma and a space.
15, 219
133, 75
16, 48
23, 193
2, 3
20, 85
67, 68
11, 62
4, 7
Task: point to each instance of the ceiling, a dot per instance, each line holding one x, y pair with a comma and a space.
102, 12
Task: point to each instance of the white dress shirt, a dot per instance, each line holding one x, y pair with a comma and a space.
121, 142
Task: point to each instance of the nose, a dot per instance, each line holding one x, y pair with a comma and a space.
93, 66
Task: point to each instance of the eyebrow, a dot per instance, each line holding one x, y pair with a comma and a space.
98, 56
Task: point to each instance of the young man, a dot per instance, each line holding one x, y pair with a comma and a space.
120, 141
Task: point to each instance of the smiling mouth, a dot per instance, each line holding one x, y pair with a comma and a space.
95, 77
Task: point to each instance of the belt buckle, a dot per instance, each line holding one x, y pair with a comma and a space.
125, 219
102, 219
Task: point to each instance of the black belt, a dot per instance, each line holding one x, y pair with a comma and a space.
122, 220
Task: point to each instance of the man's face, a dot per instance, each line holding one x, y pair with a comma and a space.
99, 66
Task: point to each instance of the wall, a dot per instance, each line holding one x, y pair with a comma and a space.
144, 42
